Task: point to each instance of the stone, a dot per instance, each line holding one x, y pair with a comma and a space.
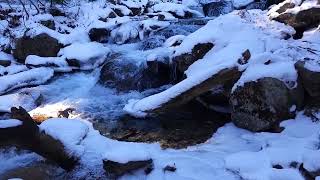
301, 21
49, 24
219, 78
99, 34
182, 62
261, 105
41, 45
217, 8
5, 63
126, 75
118, 169
310, 80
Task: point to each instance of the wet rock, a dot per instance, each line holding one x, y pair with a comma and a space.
301, 21
169, 168
54, 11
246, 55
41, 45
307, 174
152, 42
272, 2
285, 6
171, 128
99, 35
28, 136
5, 63
182, 62
219, 78
118, 169
310, 80
217, 8
261, 105
65, 113
126, 75
49, 24
217, 99
73, 63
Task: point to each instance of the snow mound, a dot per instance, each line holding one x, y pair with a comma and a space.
88, 55
26, 78
69, 131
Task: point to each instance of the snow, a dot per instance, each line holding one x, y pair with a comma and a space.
26, 99
12, 69
174, 39
178, 9
10, 123
231, 153
57, 63
26, 78
284, 71
261, 39
241, 3
89, 55
70, 132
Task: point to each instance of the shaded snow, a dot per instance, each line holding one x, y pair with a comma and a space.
10, 123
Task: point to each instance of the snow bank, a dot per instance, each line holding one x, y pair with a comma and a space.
231, 153
26, 78
10, 123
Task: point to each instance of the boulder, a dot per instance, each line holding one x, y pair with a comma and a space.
260, 105
183, 61
301, 21
126, 75
54, 11
49, 24
310, 80
118, 169
41, 45
217, 8
99, 34
5, 63
220, 78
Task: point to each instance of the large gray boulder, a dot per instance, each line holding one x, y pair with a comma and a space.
41, 45
260, 105
310, 80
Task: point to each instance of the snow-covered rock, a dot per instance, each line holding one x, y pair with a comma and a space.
27, 99
10, 123
85, 56
71, 132
26, 78
42, 45
261, 104
229, 45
